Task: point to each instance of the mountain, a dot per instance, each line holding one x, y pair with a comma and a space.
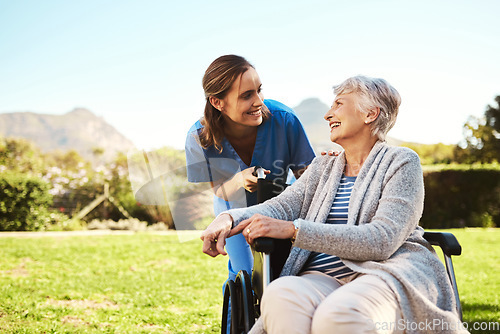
79, 130
311, 113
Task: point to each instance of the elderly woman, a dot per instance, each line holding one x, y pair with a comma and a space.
359, 262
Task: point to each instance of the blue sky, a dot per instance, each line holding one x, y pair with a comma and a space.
139, 64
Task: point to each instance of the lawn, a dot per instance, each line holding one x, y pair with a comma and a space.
478, 277
142, 283
153, 283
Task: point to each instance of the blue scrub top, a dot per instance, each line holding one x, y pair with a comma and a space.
281, 145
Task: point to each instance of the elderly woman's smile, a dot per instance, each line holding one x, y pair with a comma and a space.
334, 125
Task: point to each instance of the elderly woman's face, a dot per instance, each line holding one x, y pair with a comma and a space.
345, 120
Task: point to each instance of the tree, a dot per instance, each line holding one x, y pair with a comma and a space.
21, 155
482, 137
432, 153
97, 154
68, 160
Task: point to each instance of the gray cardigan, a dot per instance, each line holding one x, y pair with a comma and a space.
382, 236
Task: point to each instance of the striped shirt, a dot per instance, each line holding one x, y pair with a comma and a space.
330, 264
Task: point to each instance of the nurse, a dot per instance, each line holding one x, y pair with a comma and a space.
238, 131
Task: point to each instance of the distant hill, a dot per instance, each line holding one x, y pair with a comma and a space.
79, 130
311, 113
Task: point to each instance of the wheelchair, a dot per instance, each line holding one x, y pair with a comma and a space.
245, 292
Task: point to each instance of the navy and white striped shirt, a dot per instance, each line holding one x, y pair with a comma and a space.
330, 264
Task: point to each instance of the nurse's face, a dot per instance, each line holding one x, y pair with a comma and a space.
244, 101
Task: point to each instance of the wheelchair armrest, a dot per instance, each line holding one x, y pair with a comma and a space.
447, 241
264, 245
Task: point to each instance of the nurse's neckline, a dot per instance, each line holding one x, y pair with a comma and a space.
240, 132
244, 146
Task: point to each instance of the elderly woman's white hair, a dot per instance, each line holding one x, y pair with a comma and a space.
374, 92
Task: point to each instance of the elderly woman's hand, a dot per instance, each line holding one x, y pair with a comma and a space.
214, 237
259, 226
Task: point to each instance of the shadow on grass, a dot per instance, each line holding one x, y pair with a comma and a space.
483, 324
475, 307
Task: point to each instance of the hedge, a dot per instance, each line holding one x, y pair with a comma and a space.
24, 202
461, 197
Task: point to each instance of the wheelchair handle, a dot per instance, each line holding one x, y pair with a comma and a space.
259, 172
264, 245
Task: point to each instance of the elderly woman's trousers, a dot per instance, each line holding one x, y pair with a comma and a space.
317, 303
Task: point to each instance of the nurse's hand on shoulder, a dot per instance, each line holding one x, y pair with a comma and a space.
250, 180
330, 153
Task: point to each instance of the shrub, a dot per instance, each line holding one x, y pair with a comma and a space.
57, 221
461, 197
132, 224
24, 203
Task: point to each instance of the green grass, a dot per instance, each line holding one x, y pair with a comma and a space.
143, 283
152, 283
478, 276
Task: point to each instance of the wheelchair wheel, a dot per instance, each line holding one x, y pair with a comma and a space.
238, 297
244, 288
229, 295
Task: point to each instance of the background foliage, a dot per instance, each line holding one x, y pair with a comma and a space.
482, 137
462, 197
24, 203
